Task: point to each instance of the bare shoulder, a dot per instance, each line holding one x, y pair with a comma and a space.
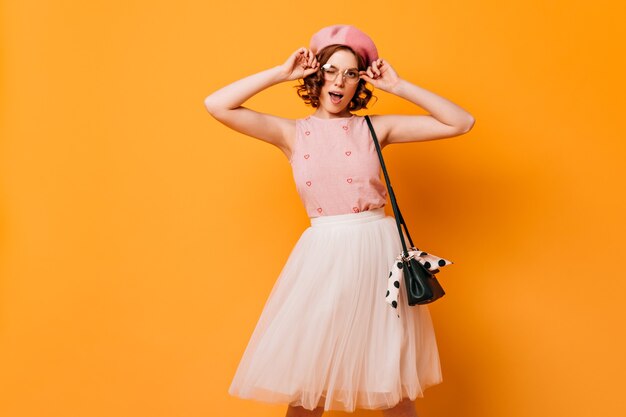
381, 124
285, 132
276, 130
397, 128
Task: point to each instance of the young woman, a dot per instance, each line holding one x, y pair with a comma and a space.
327, 339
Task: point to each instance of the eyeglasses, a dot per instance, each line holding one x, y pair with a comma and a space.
351, 75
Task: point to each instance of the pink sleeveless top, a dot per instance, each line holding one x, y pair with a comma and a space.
336, 167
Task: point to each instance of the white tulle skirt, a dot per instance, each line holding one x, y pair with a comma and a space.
326, 336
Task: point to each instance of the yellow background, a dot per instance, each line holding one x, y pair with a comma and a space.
140, 237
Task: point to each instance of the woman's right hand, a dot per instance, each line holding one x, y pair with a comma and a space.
300, 64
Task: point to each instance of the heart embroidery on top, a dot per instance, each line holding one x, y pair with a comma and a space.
319, 209
306, 156
308, 183
307, 133
348, 153
349, 180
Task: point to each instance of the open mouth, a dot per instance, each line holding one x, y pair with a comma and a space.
335, 97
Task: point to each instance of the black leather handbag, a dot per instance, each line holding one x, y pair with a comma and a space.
422, 287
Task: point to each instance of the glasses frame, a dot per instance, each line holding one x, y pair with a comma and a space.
329, 77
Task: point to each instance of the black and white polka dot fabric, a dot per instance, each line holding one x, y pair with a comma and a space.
396, 274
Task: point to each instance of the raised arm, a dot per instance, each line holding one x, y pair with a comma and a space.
446, 119
225, 104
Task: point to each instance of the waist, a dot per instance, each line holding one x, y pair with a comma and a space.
349, 218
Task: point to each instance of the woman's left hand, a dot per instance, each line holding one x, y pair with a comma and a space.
381, 75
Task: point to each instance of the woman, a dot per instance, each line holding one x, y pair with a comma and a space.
327, 339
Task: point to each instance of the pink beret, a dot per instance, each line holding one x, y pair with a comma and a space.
345, 35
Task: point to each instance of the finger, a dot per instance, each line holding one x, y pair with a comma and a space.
375, 68
306, 59
296, 56
366, 78
313, 69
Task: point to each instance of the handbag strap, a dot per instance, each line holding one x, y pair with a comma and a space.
396, 210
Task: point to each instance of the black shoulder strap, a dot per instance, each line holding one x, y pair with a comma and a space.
396, 210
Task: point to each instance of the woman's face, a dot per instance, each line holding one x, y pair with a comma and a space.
337, 104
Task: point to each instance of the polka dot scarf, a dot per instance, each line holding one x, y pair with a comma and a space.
396, 275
